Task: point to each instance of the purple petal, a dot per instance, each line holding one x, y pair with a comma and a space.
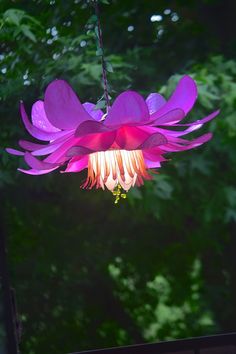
39, 118
172, 117
171, 147
28, 145
63, 107
152, 164
153, 140
37, 164
36, 132
77, 164
39, 149
179, 133
199, 121
129, 107
154, 102
36, 172
183, 97
97, 114
90, 127
15, 152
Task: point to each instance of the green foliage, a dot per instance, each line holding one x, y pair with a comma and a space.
161, 265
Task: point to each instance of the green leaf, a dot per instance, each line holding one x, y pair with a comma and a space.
100, 105
109, 67
99, 52
27, 32
14, 16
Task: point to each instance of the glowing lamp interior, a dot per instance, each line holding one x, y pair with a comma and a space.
114, 168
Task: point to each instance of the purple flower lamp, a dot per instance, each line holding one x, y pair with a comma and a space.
118, 148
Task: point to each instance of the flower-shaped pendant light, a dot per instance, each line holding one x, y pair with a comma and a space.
118, 147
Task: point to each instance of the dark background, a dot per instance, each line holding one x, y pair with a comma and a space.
160, 265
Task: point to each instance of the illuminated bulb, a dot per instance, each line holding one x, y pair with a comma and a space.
116, 169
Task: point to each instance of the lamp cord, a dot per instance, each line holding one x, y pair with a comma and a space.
103, 62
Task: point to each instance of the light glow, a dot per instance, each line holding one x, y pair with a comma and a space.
114, 168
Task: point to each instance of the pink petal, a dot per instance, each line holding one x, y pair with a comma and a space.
77, 164
63, 107
183, 97
39, 118
129, 107
154, 102
36, 132
97, 114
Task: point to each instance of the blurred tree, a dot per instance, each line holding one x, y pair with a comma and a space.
161, 265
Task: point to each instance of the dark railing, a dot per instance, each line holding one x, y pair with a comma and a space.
7, 299
217, 344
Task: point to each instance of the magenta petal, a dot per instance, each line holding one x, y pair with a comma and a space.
129, 138
154, 154
77, 164
183, 97
39, 118
154, 102
129, 107
62, 106
36, 132
97, 114
60, 155
15, 152
90, 127
153, 140
37, 164
36, 172
97, 142
76, 151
